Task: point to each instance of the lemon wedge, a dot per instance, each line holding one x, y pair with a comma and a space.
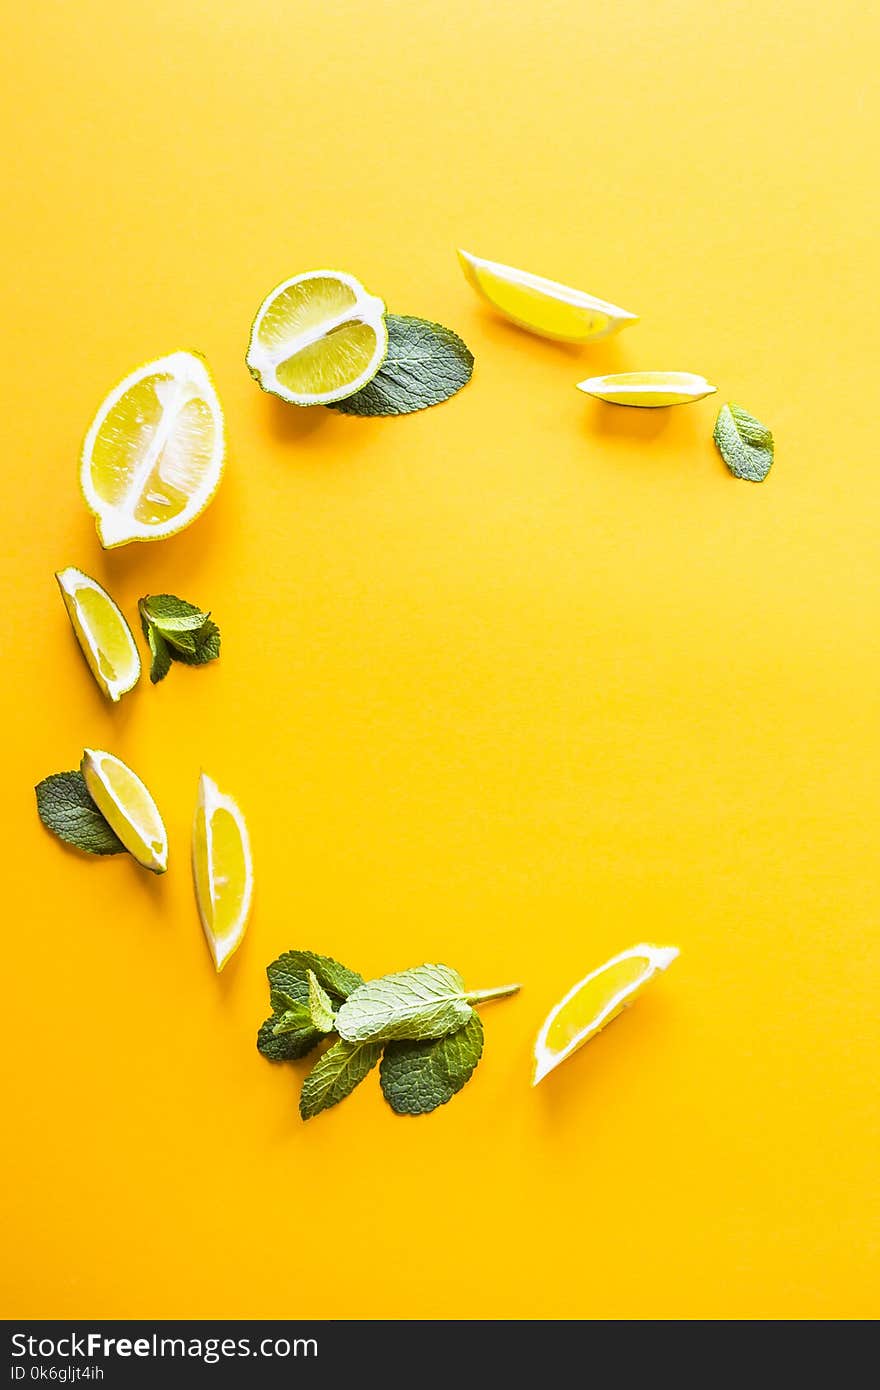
544, 306
223, 871
125, 803
317, 338
153, 457
595, 1001
648, 388
102, 632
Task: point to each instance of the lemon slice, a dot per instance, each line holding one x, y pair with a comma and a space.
153, 457
648, 388
595, 1001
105, 637
544, 306
124, 801
223, 870
317, 338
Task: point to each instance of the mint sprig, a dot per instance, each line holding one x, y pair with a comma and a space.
66, 808
421, 1022
425, 364
744, 443
177, 631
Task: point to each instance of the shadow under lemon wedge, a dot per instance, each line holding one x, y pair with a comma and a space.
594, 1002
223, 871
153, 457
104, 636
128, 807
543, 306
317, 338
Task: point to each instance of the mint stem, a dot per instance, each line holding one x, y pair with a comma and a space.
480, 996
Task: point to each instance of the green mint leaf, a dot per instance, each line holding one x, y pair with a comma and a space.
335, 1075
320, 1010
65, 808
197, 648
289, 988
744, 443
171, 614
294, 966
160, 657
287, 1046
177, 631
426, 364
426, 1002
416, 1077
297, 1019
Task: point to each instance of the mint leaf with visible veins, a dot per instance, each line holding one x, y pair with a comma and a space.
289, 991
416, 1077
335, 1075
425, 364
426, 1002
177, 631
295, 965
744, 443
66, 808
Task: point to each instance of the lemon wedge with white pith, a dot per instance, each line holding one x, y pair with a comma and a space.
544, 306
102, 632
125, 803
153, 457
317, 338
223, 871
595, 1001
650, 389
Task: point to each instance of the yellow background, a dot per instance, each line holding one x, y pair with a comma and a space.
513, 683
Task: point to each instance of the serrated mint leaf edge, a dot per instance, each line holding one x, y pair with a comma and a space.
67, 810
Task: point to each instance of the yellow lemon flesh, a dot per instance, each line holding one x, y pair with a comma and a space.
595, 1001
153, 457
223, 871
102, 632
648, 388
544, 306
317, 338
125, 803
